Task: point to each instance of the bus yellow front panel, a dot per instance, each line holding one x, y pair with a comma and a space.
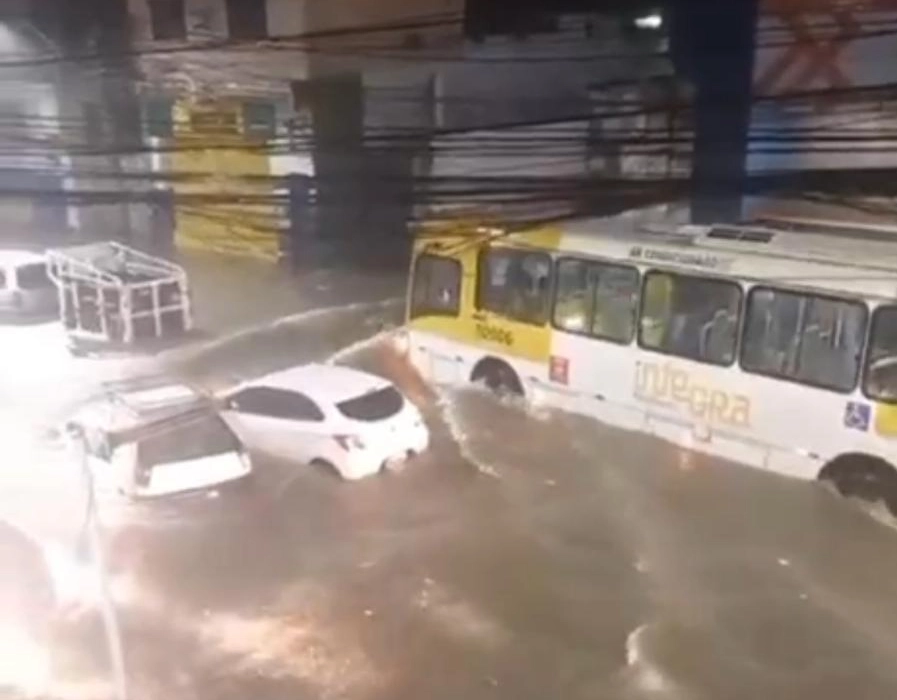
490, 332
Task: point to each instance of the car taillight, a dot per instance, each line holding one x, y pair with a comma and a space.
349, 442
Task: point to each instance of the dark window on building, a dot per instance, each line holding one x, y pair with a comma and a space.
484, 18
515, 284
247, 19
437, 287
167, 19
158, 118
260, 119
214, 123
276, 403
596, 299
804, 338
691, 317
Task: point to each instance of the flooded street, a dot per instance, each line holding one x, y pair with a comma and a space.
527, 555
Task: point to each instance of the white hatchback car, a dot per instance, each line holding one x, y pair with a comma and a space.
25, 287
355, 422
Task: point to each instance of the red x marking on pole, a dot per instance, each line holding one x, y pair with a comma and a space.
817, 56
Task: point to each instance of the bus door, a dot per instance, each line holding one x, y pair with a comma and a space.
434, 308
512, 304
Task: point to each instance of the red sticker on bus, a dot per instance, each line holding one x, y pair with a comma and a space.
559, 369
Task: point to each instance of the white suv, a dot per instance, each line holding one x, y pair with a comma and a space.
158, 441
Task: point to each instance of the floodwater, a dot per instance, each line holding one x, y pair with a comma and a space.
527, 555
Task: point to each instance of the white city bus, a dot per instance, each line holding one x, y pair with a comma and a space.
772, 343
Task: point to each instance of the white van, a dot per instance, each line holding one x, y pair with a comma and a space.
25, 287
157, 442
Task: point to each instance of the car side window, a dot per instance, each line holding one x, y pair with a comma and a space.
276, 403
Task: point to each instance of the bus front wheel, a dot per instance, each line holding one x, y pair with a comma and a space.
865, 477
498, 376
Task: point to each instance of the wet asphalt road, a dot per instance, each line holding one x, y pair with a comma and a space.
526, 556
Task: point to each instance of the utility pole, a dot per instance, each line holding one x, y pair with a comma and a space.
92, 531
713, 45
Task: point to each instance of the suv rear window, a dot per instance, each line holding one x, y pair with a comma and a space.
377, 405
33, 276
194, 438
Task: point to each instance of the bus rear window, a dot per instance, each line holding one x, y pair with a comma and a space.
377, 405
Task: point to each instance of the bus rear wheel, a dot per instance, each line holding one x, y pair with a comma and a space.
865, 477
498, 376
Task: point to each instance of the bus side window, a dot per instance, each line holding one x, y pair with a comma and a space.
573, 300
596, 299
616, 302
691, 317
437, 287
804, 338
881, 363
515, 284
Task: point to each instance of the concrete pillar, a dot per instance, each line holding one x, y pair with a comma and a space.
713, 45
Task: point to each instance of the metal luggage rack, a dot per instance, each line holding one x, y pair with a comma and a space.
110, 293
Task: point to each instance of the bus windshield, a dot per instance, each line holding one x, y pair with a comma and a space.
881, 372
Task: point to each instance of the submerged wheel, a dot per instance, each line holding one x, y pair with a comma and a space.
864, 477
326, 468
498, 376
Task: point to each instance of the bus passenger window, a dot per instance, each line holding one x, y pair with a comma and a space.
515, 284
804, 338
691, 317
881, 364
596, 299
437, 287
573, 300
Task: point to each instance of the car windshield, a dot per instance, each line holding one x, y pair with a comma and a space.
187, 440
373, 406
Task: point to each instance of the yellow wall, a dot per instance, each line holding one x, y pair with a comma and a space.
221, 163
